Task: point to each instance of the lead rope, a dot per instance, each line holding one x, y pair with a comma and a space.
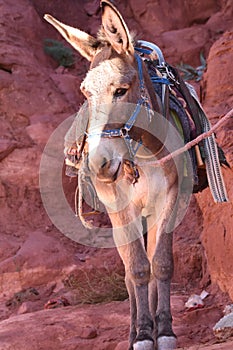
79, 196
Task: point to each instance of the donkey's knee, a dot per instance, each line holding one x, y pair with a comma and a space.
162, 270
140, 273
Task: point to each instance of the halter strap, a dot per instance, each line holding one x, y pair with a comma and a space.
124, 131
140, 72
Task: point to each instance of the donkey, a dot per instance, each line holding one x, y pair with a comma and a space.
117, 82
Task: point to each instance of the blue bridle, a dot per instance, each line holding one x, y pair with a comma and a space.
123, 132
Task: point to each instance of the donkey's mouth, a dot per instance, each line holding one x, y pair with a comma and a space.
110, 171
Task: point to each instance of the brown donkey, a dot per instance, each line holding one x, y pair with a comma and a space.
122, 129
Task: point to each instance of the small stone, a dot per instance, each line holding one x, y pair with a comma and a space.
228, 309
81, 257
224, 327
26, 307
88, 333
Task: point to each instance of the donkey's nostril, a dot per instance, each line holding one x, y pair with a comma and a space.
104, 163
109, 170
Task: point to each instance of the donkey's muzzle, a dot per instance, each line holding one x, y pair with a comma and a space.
109, 170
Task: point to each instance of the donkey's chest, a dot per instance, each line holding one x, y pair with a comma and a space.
147, 196
151, 191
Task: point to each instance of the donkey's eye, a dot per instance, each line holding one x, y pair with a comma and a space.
119, 92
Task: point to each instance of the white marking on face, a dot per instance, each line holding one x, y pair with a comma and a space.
94, 141
98, 119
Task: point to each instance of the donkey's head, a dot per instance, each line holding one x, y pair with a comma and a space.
112, 84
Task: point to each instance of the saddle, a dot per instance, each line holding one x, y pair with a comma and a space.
191, 121
188, 116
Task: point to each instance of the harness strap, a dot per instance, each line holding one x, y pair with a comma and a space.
140, 72
167, 75
183, 88
160, 80
85, 181
152, 48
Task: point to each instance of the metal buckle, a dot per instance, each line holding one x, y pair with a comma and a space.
124, 132
166, 72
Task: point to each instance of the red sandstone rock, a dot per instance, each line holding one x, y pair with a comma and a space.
217, 233
165, 16
218, 78
100, 327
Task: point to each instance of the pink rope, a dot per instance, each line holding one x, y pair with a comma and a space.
190, 144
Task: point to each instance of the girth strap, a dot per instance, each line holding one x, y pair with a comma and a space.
213, 168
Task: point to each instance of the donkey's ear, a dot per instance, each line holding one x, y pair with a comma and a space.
115, 28
84, 43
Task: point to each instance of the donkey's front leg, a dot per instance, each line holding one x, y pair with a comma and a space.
162, 270
137, 269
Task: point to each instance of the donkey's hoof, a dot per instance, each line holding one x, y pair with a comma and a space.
144, 345
166, 343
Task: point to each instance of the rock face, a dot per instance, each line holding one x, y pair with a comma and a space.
35, 97
67, 328
217, 224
